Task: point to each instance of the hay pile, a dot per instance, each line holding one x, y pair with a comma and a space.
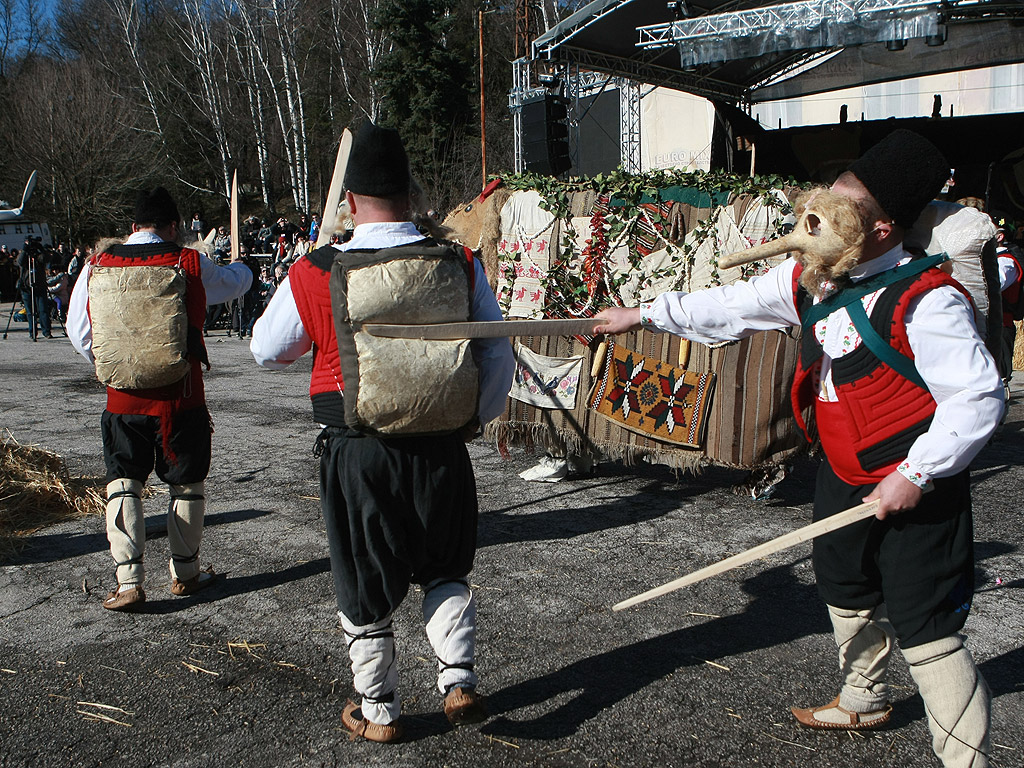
1018, 350
36, 491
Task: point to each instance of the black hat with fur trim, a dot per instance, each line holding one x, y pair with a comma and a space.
903, 172
377, 165
155, 207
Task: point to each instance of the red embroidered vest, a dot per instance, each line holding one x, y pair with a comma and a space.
1011, 296
187, 393
878, 413
310, 282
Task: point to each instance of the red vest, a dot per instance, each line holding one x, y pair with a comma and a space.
187, 393
1011, 294
869, 429
310, 282
165, 402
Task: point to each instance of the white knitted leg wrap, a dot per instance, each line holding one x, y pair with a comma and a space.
956, 699
371, 647
185, 514
449, 612
865, 640
126, 529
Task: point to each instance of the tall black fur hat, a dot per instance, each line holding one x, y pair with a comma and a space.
156, 207
377, 165
903, 172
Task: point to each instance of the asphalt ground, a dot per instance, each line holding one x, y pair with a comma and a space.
253, 671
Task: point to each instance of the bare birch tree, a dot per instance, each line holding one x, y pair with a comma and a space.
129, 26
362, 45
286, 28
264, 30
250, 82
194, 24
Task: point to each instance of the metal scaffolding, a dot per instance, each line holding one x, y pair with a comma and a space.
521, 91
578, 84
810, 24
629, 124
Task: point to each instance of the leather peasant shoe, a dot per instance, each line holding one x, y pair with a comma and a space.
201, 580
464, 706
357, 725
126, 600
835, 718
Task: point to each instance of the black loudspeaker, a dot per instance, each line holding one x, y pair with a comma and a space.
546, 135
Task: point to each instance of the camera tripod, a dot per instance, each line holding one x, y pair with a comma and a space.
10, 316
32, 313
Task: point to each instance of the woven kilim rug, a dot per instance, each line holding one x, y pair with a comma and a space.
654, 398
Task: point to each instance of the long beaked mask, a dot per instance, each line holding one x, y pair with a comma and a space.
828, 241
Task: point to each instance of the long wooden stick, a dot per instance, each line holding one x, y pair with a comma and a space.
599, 355
484, 329
236, 230
835, 522
329, 218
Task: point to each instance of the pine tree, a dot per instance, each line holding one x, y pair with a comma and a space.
426, 82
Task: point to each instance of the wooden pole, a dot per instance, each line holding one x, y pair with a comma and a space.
329, 217
843, 519
236, 230
483, 122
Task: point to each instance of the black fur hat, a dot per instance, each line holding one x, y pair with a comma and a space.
903, 172
377, 165
155, 207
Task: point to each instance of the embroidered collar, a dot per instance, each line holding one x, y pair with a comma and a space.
143, 238
891, 258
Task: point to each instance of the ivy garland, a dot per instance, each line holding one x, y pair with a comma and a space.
581, 283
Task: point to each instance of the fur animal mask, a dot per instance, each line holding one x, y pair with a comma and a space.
828, 240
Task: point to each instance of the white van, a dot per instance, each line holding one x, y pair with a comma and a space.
13, 233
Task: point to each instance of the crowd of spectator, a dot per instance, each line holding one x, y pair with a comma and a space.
41, 278
269, 249
37, 279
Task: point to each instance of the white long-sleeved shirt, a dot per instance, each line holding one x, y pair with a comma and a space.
221, 284
279, 338
948, 353
1008, 272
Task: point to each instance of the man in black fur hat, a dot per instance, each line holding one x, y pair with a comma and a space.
905, 394
156, 415
399, 509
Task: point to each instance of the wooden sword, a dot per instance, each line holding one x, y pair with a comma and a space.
485, 329
808, 532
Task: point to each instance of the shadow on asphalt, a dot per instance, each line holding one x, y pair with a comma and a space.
649, 502
225, 586
1005, 674
52, 547
602, 681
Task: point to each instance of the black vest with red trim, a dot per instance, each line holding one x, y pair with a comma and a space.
310, 282
878, 414
310, 279
187, 393
1012, 295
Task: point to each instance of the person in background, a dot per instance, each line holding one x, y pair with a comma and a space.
314, 228
33, 288
58, 289
1010, 262
166, 427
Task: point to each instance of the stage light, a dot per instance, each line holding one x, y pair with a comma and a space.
934, 41
895, 45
